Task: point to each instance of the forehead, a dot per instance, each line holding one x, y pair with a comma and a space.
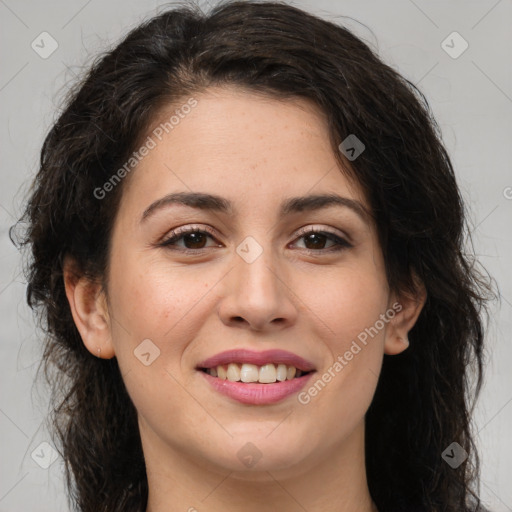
250, 148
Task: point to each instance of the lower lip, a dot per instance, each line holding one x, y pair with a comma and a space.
255, 393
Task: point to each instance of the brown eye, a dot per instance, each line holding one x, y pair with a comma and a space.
315, 241
191, 239
196, 240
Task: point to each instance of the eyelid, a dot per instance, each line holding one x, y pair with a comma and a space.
309, 228
189, 228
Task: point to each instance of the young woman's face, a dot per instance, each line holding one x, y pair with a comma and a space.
251, 277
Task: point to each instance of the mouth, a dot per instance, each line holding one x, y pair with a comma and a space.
248, 373
256, 378
248, 366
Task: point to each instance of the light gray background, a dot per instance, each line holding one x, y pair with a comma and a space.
471, 97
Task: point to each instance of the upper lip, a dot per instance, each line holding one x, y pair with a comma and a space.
257, 358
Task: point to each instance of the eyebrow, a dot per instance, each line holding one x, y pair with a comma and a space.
210, 202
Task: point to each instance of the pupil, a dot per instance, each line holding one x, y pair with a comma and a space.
195, 239
317, 243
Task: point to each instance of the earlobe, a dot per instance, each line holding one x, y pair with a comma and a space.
397, 339
395, 345
90, 312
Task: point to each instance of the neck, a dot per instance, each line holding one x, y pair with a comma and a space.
336, 482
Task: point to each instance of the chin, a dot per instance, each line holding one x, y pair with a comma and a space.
252, 457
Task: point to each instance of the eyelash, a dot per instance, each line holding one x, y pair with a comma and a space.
179, 233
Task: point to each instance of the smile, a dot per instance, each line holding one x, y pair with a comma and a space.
256, 378
246, 372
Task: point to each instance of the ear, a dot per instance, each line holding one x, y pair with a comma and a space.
88, 305
407, 307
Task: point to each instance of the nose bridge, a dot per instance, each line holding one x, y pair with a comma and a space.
256, 292
255, 273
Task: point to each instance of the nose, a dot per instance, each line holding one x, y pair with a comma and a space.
256, 296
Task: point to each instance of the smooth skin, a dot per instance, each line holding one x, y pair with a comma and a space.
299, 295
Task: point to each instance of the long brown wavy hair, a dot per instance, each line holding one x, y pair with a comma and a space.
425, 396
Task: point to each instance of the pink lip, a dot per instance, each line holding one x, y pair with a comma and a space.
255, 393
258, 358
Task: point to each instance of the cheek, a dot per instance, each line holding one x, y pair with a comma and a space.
151, 297
150, 331
349, 309
164, 303
347, 300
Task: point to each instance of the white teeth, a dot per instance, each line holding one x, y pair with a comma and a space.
233, 372
281, 372
249, 373
266, 374
221, 372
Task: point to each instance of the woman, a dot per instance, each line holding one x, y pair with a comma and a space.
246, 243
